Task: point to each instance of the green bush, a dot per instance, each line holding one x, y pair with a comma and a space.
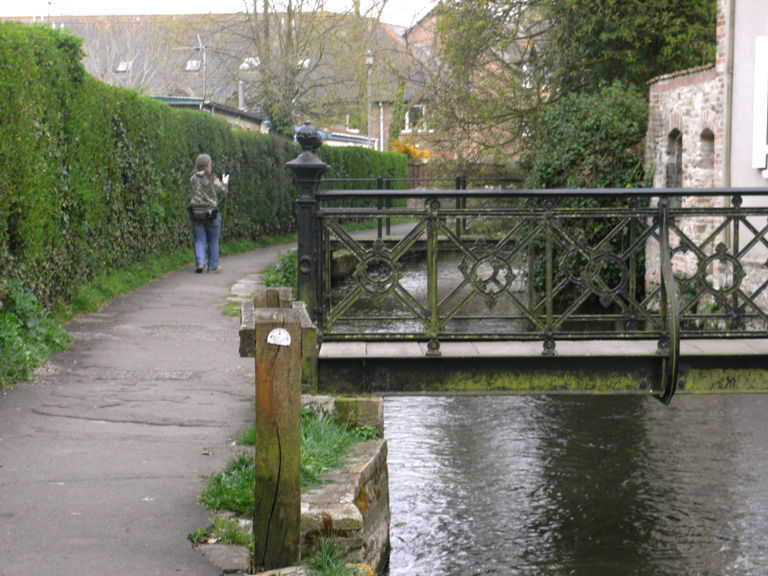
588, 141
332, 560
591, 141
284, 272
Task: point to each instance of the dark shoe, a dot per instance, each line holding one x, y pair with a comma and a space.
199, 269
215, 270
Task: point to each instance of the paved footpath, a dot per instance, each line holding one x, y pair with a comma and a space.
101, 457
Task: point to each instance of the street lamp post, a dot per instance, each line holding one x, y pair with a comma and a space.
369, 63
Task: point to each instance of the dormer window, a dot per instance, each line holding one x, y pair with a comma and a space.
124, 66
194, 65
250, 63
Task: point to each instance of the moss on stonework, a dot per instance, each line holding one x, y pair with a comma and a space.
492, 378
726, 380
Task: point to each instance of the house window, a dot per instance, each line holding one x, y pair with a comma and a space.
416, 119
707, 150
194, 65
704, 171
124, 66
673, 177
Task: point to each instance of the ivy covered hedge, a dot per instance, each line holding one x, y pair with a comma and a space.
589, 140
94, 177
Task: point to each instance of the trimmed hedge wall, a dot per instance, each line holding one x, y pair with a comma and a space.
95, 177
351, 163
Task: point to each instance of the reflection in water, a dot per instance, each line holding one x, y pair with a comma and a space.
578, 485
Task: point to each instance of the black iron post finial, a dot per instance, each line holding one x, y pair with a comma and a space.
308, 167
308, 137
309, 170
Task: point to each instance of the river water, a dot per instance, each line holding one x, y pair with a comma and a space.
578, 485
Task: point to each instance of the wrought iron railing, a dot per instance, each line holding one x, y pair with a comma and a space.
548, 265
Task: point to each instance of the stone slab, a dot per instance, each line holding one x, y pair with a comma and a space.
570, 348
228, 559
392, 349
343, 350
292, 571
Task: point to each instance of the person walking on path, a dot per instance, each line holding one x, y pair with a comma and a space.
205, 190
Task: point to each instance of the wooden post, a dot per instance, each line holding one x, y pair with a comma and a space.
263, 297
277, 517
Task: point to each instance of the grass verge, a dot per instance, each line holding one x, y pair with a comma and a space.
325, 445
332, 560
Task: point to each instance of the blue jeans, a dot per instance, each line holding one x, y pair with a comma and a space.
207, 233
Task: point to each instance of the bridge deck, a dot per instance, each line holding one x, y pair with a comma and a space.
565, 348
606, 366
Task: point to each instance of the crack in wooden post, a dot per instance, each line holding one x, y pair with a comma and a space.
277, 514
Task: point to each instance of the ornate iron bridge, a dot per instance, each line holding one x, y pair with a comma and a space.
548, 265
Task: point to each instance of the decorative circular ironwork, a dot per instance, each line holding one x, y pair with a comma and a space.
305, 265
491, 275
433, 205
685, 267
662, 346
595, 279
729, 285
593, 272
377, 273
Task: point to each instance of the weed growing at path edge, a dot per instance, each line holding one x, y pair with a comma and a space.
28, 334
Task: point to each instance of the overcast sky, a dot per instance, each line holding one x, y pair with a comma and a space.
403, 12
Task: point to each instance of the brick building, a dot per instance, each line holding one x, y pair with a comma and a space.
708, 127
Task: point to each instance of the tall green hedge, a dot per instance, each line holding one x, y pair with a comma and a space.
95, 177
359, 163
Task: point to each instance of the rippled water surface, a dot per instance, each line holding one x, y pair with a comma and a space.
578, 485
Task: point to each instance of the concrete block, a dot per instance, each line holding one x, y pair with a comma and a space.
361, 411
228, 559
353, 508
